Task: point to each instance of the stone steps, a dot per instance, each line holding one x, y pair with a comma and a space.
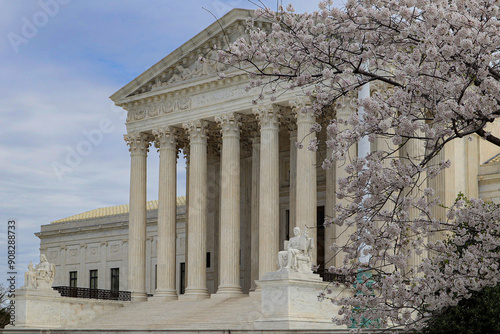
214, 313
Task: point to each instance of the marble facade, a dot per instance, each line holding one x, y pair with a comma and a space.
248, 185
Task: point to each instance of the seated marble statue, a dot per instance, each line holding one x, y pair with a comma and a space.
40, 277
297, 254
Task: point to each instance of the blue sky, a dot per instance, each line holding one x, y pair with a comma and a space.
60, 60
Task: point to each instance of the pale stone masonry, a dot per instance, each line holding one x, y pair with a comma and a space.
248, 185
98, 240
166, 142
139, 143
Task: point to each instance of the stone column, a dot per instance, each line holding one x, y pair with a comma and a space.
268, 188
229, 252
344, 110
414, 149
186, 240
139, 144
197, 216
166, 142
254, 228
364, 149
293, 179
306, 196
330, 231
472, 165
440, 183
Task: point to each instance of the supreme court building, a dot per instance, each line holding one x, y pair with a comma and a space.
248, 185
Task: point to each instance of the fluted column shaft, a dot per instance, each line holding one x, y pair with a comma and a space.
343, 233
268, 189
330, 232
293, 181
197, 215
254, 228
306, 197
167, 206
139, 144
414, 149
230, 206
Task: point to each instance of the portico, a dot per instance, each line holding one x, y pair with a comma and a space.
197, 136
248, 184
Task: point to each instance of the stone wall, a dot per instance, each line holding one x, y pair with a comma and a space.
45, 308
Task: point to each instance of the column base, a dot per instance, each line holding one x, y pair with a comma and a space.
139, 297
165, 295
228, 292
196, 293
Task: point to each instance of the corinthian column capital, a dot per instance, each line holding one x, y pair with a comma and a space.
268, 116
197, 131
302, 110
229, 124
165, 137
138, 142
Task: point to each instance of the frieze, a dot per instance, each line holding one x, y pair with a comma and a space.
214, 97
155, 109
159, 108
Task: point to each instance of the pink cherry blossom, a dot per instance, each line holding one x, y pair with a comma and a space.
435, 71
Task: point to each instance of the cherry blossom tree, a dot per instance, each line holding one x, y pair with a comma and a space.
4, 311
436, 69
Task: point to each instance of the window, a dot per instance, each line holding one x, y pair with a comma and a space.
115, 279
208, 259
156, 276
73, 276
93, 279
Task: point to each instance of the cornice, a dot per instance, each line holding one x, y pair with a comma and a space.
196, 46
159, 104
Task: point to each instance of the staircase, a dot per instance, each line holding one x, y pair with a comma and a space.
214, 314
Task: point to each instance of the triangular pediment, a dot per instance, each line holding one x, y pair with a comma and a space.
195, 60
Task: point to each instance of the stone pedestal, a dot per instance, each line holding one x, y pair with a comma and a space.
290, 301
38, 308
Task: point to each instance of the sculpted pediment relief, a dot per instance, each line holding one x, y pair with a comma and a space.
201, 67
198, 62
